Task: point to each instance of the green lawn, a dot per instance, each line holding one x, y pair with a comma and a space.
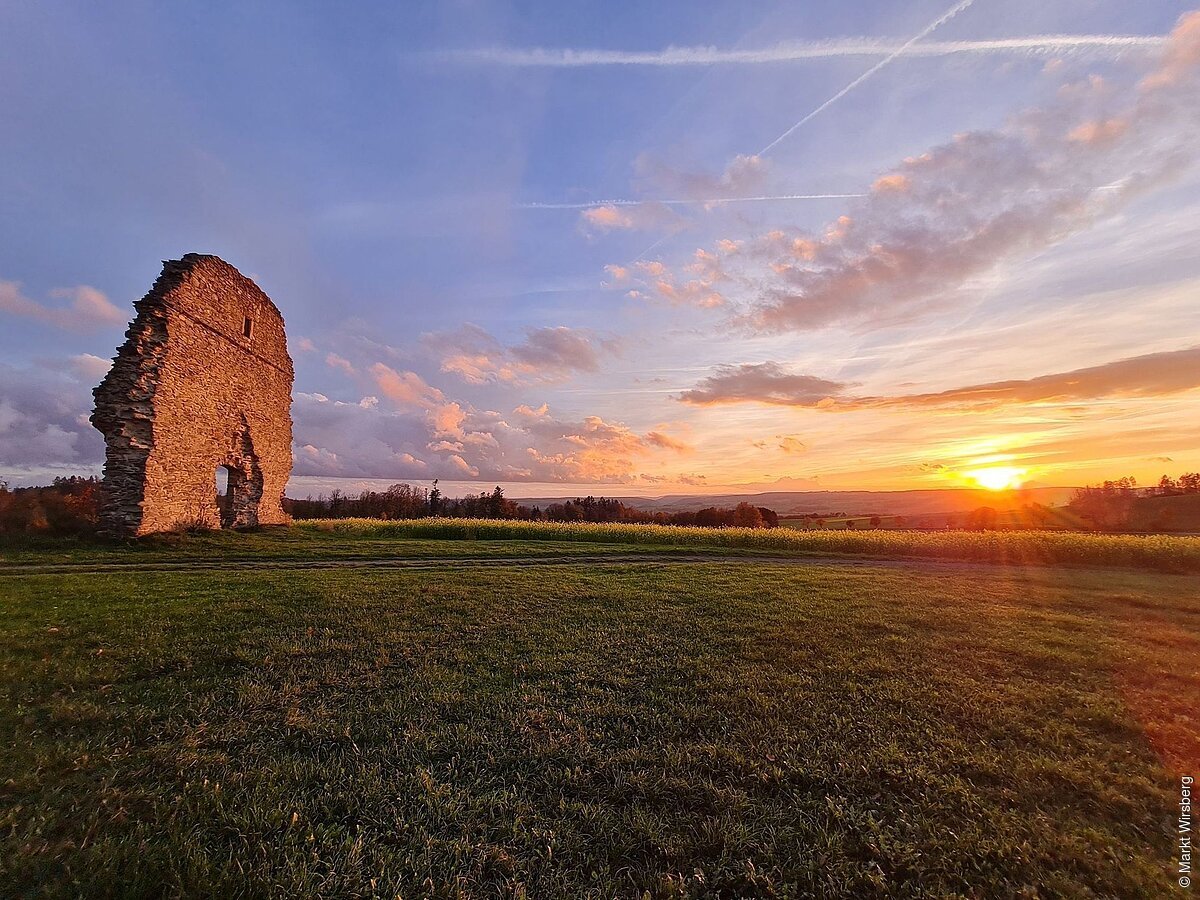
416, 538
273, 545
610, 730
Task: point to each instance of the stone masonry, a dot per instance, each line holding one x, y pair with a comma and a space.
202, 381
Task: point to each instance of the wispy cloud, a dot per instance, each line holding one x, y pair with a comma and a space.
1108, 45
86, 307
680, 201
1151, 375
545, 354
744, 180
957, 211
768, 383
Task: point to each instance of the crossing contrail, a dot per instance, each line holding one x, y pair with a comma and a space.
924, 32
799, 51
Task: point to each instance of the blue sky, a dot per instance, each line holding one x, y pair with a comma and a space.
387, 174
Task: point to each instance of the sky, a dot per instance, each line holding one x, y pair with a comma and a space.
628, 248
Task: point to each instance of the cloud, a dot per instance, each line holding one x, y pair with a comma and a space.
1103, 45
545, 355
744, 176
405, 388
606, 218
529, 413
619, 275
340, 363
1181, 57
561, 349
628, 216
341, 439
454, 440
414, 430
86, 309
654, 279
89, 368
957, 211
1152, 375
697, 292
44, 418
688, 201
768, 383
1103, 131
790, 444
666, 442
895, 182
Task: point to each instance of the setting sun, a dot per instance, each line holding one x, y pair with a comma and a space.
999, 478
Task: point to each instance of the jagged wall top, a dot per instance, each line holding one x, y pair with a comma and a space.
216, 295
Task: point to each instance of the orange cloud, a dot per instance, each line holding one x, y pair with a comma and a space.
628, 215
606, 218
1182, 55
619, 274
658, 439
767, 383
406, 388
1101, 131
545, 355
87, 308
1153, 375
896, 183
339, 362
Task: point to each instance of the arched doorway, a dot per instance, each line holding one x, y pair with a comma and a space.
243, 481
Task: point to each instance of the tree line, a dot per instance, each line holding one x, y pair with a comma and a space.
1110, 505
404, 501
67, 506
70, 506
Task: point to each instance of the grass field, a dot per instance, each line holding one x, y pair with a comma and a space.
670, 727
1168, 553
349, 538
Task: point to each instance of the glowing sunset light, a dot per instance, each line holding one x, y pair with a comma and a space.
999, 478
917, 274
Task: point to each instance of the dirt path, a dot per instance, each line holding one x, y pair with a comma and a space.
455, 562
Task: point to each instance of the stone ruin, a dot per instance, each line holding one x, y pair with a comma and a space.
202, 381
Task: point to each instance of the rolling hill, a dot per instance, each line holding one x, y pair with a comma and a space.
884, 503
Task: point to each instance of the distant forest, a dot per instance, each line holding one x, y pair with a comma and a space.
71, 505
404, 501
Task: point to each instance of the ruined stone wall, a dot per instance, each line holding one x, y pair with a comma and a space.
190, 391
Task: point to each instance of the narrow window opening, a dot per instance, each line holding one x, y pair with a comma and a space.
247, 327
222, 485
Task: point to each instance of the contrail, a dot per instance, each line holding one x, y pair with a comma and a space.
653, 246
685, 202
925, 32
798, 51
